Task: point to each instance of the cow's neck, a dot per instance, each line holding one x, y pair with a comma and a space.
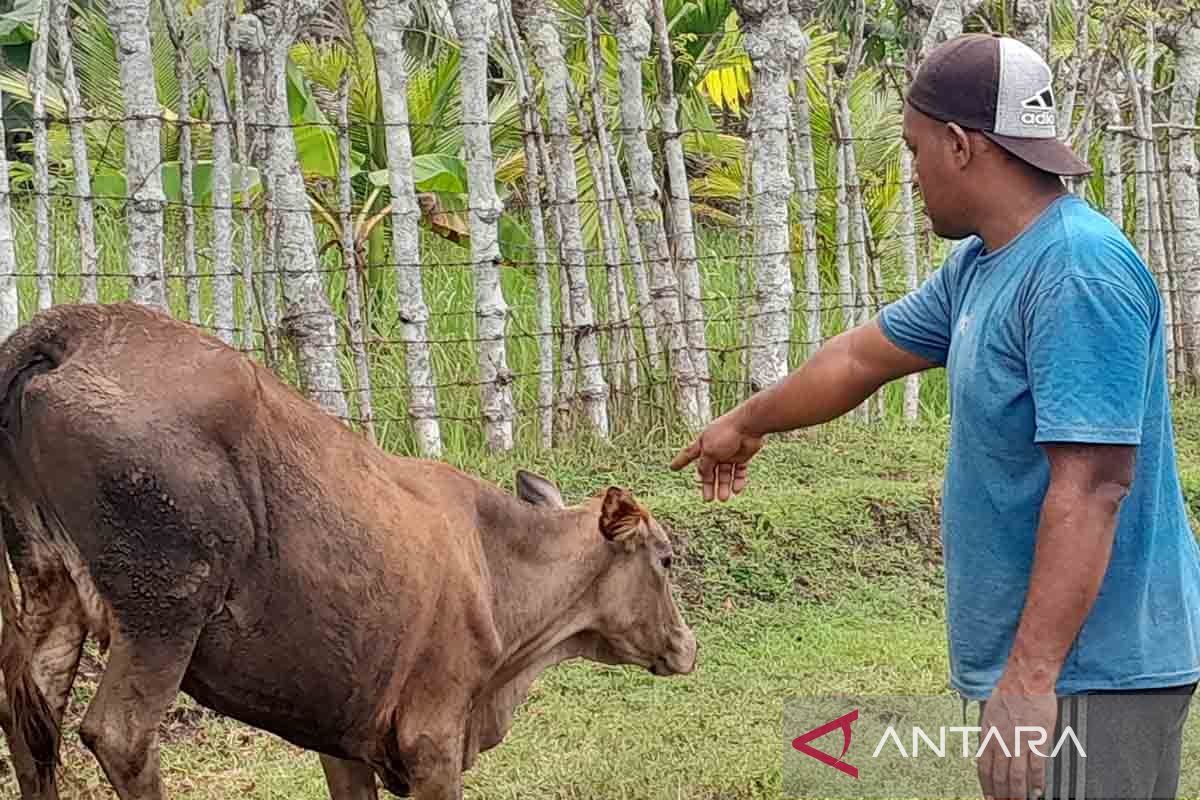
542, 563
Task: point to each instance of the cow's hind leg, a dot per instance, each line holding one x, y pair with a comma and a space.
121, 725
52, 619
349, 780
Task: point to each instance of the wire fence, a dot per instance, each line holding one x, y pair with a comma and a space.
600, 315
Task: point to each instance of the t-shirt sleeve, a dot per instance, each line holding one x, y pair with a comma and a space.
919, 322
1088, 351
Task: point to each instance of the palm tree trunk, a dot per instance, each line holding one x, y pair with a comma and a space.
807, 191
41, 162
308, 319
248, 104
633, 43
524, 83
85, 218
1114, 188
354, 316
222, 215
1141, 181
540, 28
1149, 239
842, 219
386, 21
222, 175
646, 309
770, 31
912, 383
608, 169
129, 21
1031, 23
683, 226
1184, 39
10, 309
616, 358
491, 312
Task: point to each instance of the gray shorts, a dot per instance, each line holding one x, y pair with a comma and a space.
1132, 741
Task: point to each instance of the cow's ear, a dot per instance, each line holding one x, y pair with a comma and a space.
533, 488
621, 518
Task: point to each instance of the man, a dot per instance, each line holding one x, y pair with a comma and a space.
1070, 565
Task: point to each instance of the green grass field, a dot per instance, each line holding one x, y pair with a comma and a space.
823, 578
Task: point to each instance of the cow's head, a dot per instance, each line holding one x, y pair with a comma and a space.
637, 620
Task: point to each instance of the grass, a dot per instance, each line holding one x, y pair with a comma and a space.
824, 578
793, 588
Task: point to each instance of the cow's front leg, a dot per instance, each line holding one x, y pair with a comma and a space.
431, 746
348, 780
438, 768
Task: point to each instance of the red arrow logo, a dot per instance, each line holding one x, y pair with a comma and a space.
843, 722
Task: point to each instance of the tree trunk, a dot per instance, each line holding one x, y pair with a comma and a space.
908, 233
222, 177
1183, 38
609, 246
623, 335
247, 101
130, 24
770, 30
354, 315
806, 189
529, 112
386, 21
935, 21
38, 57
1031, 25
1140, 178
85, 218
682, 225
10, 309
1114, 184
647, 310
221, 216
491, 312
630, 18
842, 218
540, 28
308, 319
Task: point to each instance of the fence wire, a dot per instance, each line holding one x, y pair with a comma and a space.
645, 320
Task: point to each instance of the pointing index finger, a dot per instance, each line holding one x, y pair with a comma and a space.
686, 456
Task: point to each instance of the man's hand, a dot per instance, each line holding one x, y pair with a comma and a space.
838, 378
723, 450
1021, 773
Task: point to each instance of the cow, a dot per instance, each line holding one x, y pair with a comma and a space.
221, 535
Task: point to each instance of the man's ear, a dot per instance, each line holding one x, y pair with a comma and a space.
962, 144
539, 491
621, 518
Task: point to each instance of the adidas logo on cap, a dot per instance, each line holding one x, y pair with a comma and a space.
1039, 109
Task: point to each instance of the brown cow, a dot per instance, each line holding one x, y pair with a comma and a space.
222, 535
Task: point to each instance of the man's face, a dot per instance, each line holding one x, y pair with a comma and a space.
938, 173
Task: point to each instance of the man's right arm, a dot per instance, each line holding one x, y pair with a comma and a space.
839, 377
911, 335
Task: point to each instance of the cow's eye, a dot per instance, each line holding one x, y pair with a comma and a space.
666, 562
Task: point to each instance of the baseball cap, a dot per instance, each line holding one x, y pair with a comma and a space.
1000, 87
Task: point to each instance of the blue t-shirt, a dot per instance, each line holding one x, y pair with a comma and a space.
1057, 336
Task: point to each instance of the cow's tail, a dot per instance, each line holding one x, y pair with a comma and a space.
38, 346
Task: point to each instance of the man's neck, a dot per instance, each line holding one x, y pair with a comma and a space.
1014, 209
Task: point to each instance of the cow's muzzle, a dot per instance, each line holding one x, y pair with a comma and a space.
680, 658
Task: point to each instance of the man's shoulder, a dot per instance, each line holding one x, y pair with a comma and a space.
1085, 247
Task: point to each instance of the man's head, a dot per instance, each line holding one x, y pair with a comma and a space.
979, 119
